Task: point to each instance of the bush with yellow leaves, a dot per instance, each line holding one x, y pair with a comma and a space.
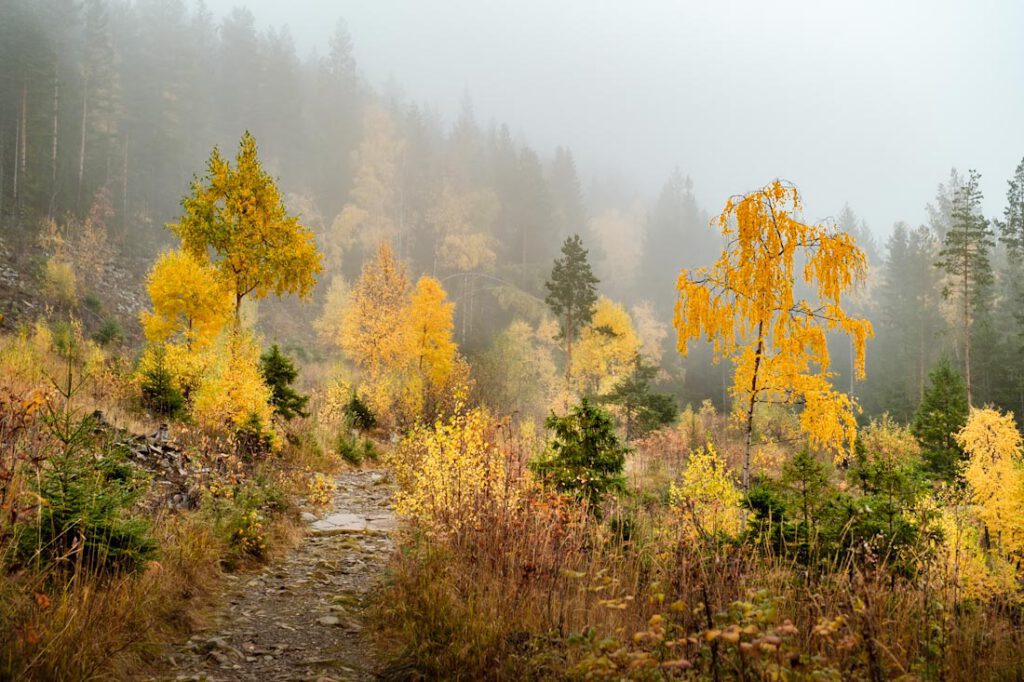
707, 495
232, 392
320, 490
449, 471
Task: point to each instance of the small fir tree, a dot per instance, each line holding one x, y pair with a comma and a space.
942, 413
586, 457
642, 410
279, 373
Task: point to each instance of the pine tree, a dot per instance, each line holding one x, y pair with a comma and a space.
942, 413
569, 213
965, 258
279, 373
909, 319
572, 294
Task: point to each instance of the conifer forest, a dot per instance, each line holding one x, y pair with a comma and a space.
667, 340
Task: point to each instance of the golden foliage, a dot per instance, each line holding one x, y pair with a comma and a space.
747, 307
963, 561
189, 298
239, 215
401, 341
329, 325
606, 349
447, 472
995, 475
372, 335
707, 495
60, 284
232, 390
430, 319
371, 216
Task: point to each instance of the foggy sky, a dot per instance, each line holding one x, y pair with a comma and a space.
866, 101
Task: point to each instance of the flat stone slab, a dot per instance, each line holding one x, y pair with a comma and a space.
345, 522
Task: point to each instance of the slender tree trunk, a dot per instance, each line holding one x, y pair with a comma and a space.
522, 263
465, 308
53, 145
750, 407
920, 365
124, 192
20, 144
967, 331
81, 147
3, 167
569, 333
853, 373
17, 142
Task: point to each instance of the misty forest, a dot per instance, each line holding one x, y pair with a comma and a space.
305, 375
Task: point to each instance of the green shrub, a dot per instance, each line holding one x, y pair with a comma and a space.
350, 450
357, 450
109, 332
239, 515
92, 303
359, 415
252, 439
279, 373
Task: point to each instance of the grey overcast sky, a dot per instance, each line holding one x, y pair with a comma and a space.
866, 101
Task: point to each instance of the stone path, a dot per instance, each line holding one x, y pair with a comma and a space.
300, 618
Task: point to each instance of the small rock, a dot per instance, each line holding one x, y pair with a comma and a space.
329, 620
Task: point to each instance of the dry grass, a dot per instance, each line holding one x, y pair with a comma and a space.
543, 590
82, 626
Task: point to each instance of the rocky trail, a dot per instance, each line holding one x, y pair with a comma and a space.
300, 618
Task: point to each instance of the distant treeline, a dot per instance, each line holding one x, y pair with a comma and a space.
116, 104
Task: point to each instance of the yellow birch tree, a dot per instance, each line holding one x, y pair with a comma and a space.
189, 299
746, 306
994, 473
238, 215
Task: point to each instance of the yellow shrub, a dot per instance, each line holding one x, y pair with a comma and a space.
232, 390
321, 490
449, 471
962, 561
59, 281
707, 495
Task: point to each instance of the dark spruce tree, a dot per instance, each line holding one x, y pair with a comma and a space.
279, 372
572, 293
642, 409
942, 413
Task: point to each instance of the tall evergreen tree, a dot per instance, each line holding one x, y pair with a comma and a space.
572, 293
965, 258
569, 214
676, 237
